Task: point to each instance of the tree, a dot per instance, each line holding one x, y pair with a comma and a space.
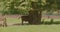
15, 7
39, 6
36, 12
36, 7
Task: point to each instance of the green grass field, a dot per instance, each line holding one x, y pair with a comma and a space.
30, 28
13, 20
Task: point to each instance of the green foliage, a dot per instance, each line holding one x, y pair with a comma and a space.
15, 12
57, 22
45, 4
14, 7
2, 0
4, 12
50, 22
46, 23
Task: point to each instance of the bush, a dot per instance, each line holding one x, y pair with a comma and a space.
47, 22
57, 22
4, 12
51, 21
15, 12
42, 21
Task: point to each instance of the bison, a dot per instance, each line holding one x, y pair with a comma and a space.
3, 21
24, 19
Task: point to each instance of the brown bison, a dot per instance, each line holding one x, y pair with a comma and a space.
24, 19
3, 21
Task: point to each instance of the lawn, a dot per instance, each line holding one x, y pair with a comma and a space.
13, 20
31, 28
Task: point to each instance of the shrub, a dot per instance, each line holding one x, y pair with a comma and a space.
51, 21
57, 22
4, 12
15, 12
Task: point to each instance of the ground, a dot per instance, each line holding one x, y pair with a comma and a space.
31, 28
11, 20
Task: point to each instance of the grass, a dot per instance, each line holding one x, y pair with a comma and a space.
13, 20
31, 28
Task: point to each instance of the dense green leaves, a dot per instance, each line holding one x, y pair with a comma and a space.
25, 5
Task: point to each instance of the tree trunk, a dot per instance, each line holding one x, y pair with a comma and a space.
35, 17
39, 16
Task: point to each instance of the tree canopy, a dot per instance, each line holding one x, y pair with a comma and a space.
25, 5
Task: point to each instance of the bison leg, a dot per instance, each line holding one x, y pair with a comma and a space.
5, 24
22, 22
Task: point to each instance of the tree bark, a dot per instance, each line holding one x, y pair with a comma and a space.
34, 14
35, 17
